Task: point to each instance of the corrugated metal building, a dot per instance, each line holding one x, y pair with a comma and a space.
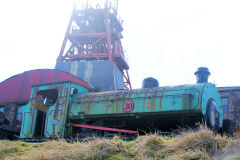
99, 74
17, 88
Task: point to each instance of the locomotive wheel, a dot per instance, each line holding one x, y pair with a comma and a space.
211, 116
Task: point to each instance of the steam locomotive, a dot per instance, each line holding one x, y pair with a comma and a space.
72, 109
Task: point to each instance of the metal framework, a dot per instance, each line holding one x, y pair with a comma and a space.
94, 33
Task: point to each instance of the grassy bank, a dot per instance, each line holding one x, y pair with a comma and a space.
186, 146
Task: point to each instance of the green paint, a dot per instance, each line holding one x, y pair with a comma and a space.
164, 100
147, 102
56, 114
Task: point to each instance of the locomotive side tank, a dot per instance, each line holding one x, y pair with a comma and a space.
151, 108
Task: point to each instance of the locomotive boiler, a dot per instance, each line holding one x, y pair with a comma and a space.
68, 109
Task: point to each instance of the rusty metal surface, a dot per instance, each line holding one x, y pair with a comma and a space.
145, 102
150, 100
18, 87
101, 31
125, 94
55, 113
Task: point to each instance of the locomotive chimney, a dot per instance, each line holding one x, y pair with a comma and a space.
202, 74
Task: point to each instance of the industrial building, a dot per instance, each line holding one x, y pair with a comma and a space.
91, 56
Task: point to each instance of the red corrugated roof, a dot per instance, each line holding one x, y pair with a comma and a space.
18, 87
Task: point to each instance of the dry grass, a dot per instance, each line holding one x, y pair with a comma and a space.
186, 146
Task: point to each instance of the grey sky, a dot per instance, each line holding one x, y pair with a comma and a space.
167, 40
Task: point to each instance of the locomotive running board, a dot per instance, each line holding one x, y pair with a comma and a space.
104, 128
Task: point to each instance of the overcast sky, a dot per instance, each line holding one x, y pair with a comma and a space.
165, 39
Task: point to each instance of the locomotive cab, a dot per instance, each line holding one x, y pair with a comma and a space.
45, 115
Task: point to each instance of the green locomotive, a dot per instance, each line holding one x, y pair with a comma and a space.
67, 109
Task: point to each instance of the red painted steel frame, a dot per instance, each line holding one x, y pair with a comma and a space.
104, 128
95, 34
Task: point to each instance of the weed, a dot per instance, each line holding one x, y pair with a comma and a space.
188, 145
